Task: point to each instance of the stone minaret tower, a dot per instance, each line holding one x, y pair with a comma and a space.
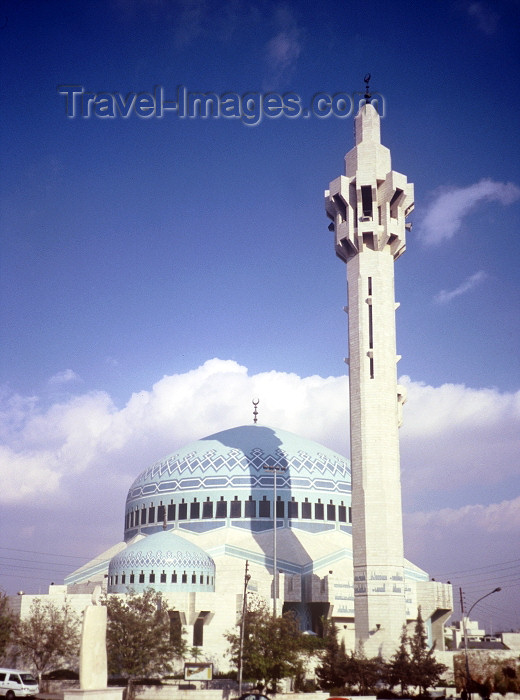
368, 207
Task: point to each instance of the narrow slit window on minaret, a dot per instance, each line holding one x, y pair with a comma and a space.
371, 368
366, 200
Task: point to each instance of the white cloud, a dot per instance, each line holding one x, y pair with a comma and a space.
497, 517
451, 434
443, 217
444, 296
485, 17
454, 436
49, 452
283, 50
64, 377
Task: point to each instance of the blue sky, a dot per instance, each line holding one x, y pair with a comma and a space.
156, 273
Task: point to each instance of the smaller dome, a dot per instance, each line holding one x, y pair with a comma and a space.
163, 561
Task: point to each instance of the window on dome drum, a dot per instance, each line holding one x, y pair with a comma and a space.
171, 511
136, 520
318, 511
194, 577
207, 509
207, 580
293, 508
123, 579
161, 510
350, 515
250, 508
183, 511
143, 516
342, 514
132, 577
221, 509
127, 521
152, 577
194, 510
141, 577
264, 508
132, 519
174, 577
235, 509
331, 511
280, 509
163, 577
151, 514
306, 509
184, 578
201, 579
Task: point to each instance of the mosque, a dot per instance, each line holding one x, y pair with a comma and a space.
260, 509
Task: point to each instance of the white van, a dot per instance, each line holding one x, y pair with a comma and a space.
17, 684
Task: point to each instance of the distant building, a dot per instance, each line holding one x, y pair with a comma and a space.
477, 638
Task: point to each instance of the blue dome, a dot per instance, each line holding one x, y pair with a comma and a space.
163, 561
223, 480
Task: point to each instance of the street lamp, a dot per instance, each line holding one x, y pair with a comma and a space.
247, 578
275, 471
464, 617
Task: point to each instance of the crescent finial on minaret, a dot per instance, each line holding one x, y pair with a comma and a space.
366, 80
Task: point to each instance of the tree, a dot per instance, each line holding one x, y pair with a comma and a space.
399, 670
273, 647
331, 671
6, 623
425, 669
362, 673
488, 673
142, 639
48, 637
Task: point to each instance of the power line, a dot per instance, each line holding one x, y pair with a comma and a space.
479, 568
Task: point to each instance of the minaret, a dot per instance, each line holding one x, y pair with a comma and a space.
368, 207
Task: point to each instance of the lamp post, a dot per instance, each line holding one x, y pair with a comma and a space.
464, 629
247, 577
275, 471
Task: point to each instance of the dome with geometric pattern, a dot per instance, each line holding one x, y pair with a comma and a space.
163, 561
227, 479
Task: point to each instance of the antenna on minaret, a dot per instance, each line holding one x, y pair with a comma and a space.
366, 80
255, 412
